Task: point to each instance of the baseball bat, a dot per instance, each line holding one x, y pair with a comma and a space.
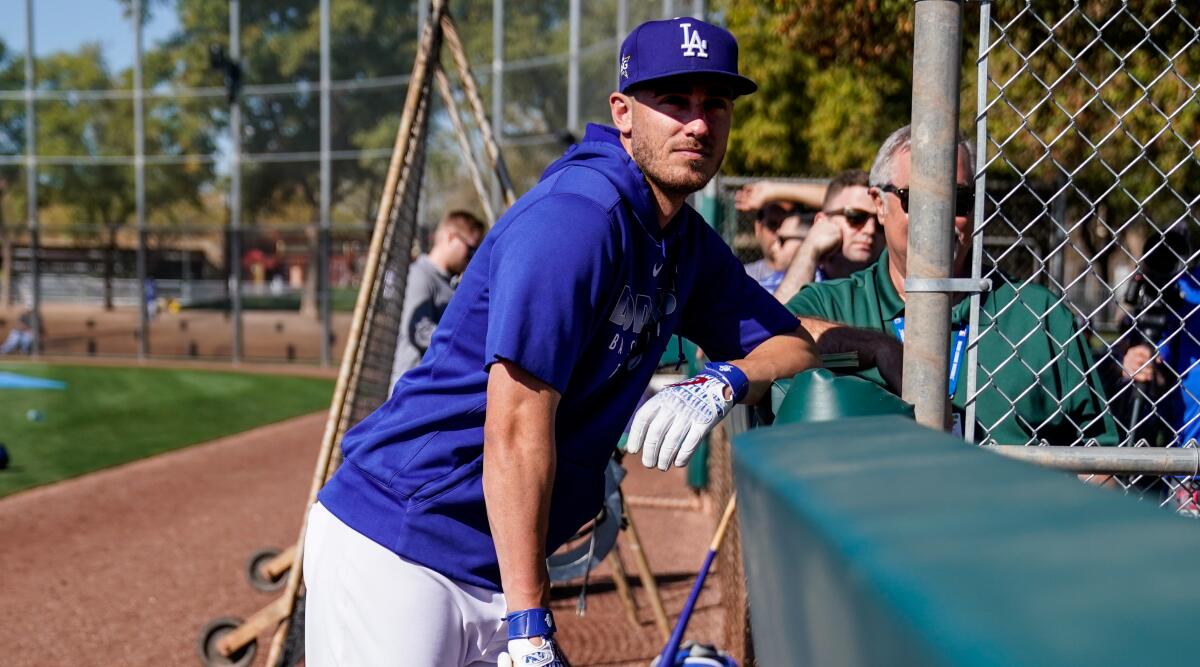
667, 657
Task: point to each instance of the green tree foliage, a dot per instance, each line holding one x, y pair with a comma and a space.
834, 79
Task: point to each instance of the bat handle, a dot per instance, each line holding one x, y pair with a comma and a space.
667, 657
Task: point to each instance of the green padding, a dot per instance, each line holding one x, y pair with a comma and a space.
874, 541
820, 395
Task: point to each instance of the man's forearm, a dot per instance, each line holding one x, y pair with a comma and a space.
778, 357
518, 475
874, 348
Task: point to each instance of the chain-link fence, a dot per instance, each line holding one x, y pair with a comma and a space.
312, 90
1088, 130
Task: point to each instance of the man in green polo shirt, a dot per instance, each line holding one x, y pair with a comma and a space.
1035, 375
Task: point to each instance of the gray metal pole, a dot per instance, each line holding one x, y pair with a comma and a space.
981, 78
139, 182
668, 9
235, 185
498, 94
573, 69
699, 9
1108, 460
622, 21
31, 189
325, 225
936, 53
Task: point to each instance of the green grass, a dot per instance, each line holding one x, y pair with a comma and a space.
108, 416
342, 301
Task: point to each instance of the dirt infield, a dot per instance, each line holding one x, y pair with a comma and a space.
122, 567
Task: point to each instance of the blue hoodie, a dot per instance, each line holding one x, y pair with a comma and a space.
578, 285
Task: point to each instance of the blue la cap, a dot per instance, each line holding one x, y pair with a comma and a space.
683, 45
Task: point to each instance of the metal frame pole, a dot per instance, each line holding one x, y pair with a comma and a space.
31, 189
699, 9
139, 183
235, 185
668, 9
937, 48
981, 139
325, 224
498, 94
573, 69
622, 22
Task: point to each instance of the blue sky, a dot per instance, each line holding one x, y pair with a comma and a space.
64, 25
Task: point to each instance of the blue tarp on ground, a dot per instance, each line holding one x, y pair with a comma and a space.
14, 381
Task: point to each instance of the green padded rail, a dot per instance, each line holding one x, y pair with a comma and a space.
875, 541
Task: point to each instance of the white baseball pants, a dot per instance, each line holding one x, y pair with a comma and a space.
368, 607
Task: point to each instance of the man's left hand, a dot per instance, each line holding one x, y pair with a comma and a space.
673, 422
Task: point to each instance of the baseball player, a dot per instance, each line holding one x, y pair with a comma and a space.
428, 546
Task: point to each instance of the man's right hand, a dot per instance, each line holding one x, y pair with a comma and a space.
889, 360
823, 238
531, 640
522, 652
1137, 364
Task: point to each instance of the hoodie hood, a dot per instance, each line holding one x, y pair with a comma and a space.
601, 151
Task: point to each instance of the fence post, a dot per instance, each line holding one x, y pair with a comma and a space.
31, 188
937, 47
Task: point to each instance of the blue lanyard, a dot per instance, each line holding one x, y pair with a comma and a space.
956, 350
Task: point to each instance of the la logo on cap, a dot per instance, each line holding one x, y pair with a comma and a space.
692, 44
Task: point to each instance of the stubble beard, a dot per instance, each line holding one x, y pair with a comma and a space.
671, 180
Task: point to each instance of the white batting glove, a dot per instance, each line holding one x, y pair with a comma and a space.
670, 425
524, 628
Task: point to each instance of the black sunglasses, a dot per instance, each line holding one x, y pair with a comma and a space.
855, 216
964, 198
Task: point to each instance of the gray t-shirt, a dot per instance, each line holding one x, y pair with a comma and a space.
425, 298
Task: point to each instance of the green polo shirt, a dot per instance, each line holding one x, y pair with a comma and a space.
1029, 356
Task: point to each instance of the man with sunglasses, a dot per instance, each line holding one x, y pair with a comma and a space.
1035, 369
845, 236
430, 285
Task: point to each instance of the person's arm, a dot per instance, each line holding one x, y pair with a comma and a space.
777, 357
824, 237
874, 348
753, 196
518, 475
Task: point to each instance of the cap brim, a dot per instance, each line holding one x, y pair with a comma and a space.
738, 84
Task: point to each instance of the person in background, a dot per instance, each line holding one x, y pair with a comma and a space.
779, 231
20, 337
429, 286
1035, 370
845, 236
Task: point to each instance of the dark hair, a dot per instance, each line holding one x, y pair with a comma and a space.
846, 179
772, 214
463, 222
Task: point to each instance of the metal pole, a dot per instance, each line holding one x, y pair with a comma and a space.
699, 9
498, 94
573, 70
936, 51
31, 189
325, 225
668, 9
981, 77
1108, 460
622, 21
139, 183
235, 185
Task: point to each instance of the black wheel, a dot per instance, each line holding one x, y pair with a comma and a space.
255, 572
211, 635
